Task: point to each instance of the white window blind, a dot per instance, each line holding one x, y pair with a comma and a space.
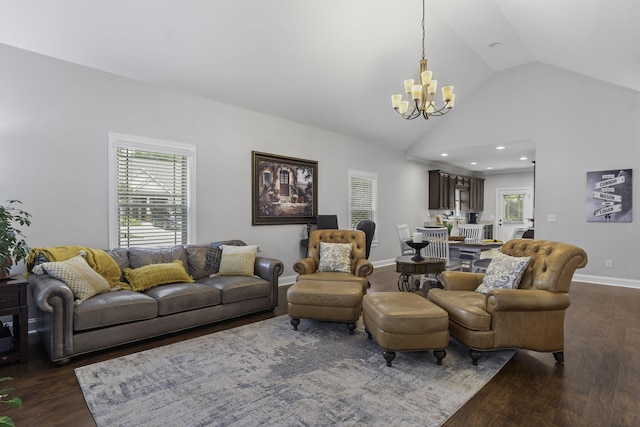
363, 195
151, 192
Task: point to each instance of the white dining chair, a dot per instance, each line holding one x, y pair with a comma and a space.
438, 247
403, 235
472, 234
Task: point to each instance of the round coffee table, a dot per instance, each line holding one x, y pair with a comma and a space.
407, 268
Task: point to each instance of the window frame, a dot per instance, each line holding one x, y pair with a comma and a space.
373, 178
118, 140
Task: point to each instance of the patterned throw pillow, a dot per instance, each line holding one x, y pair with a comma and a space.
335, 257
214, 254
503, 272
83, 281
152, 275
237, 260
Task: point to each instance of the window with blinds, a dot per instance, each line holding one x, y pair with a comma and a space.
363, 195
150, 192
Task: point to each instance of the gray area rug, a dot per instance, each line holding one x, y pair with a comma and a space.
266, 374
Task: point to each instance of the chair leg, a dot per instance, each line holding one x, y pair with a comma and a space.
389, 356
351, 326
295, 322
475, 356
439, 354
559, 356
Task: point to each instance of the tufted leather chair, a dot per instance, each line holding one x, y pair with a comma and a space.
360, 266
530, 317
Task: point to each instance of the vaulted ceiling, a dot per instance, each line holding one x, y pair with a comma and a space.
331, 64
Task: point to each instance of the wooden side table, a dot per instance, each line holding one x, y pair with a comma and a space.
407, 268
13, 301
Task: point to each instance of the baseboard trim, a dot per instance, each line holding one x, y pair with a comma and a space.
607, 281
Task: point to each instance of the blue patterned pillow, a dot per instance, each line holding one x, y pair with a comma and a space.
335, 257
504, 272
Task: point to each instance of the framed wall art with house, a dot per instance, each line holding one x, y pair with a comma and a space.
284, 189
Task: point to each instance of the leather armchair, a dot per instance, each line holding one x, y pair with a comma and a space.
360, 266
530, 317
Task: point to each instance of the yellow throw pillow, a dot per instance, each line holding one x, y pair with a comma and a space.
83, 281
152, 275
237, 260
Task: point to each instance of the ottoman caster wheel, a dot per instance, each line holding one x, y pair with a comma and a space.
439, 354
389, 356
351, 326
295, 322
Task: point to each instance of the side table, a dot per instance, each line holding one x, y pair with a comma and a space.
407, 268
13, 301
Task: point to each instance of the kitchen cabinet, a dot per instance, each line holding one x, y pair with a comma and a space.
442, 191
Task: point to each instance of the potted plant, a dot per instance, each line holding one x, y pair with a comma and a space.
16, 402
13, 247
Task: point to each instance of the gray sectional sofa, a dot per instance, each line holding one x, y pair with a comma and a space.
123, 316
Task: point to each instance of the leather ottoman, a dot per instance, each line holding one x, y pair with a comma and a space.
403, 321
336, 301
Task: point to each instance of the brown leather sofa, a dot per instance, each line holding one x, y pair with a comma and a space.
530, 317
67, 329
360, 266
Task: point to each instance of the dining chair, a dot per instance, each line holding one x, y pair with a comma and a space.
438, 247
403, 235
472, 234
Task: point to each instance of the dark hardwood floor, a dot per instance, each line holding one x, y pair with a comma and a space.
598, 385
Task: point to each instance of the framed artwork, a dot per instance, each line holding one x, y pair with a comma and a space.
609, 196
284, 189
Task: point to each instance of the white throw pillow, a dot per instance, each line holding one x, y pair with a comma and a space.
335, 257
237, 260
503, 272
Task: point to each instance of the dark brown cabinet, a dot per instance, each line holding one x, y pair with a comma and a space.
442, 191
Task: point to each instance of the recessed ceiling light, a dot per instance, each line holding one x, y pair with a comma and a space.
523, 158
444, 155
495, 45
500, 147
473, 163
490, 167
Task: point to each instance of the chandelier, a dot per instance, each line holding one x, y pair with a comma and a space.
422, 93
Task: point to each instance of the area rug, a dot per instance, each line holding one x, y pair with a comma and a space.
267, 374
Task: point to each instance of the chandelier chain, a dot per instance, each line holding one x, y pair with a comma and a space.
423, 30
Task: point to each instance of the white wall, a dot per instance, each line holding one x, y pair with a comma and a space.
54, 122
579, 124
504, 180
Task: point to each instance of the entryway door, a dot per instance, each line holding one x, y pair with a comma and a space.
514, 207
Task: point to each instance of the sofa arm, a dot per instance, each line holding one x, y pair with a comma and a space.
363, 268
460, 281
268, 269
526, 300
305, 266
55, 302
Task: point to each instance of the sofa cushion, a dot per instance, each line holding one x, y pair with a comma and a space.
152, 275
239, 288
121, 257
114, 308
464, 307
83, 281
335, 257
503, 272
197, 261
139, 257
178, 297
237, 260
